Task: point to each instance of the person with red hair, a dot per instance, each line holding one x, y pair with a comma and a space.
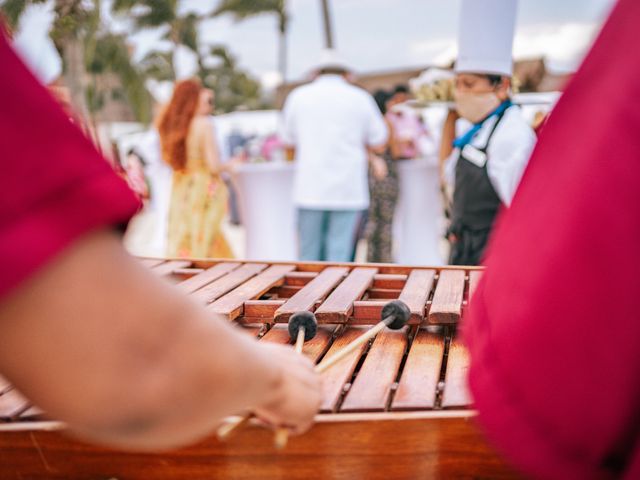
199, 195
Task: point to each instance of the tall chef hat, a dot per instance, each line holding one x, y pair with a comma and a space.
485, 36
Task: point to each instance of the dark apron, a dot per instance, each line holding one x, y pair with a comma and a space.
474, 207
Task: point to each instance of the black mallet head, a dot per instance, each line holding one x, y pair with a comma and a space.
304, 319
398, 314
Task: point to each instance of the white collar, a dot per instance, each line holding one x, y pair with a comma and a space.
330, 77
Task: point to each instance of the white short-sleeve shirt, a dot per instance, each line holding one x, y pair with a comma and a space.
508, 152
331, 123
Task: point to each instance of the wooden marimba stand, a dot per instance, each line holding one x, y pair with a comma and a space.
396, 407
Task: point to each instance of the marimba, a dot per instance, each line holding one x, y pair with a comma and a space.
398, 407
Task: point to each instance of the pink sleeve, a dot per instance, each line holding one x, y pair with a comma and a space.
554, 333
55, 185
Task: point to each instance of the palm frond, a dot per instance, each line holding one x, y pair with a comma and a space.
12, 10
242, 9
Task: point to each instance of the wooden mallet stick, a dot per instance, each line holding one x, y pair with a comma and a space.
303, 327
395, 315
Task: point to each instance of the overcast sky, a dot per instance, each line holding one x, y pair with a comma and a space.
390, 34
375, 35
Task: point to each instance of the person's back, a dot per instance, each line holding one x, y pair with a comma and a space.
330, 120
331, 125
198, 195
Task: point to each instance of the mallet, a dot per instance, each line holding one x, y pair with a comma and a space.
395, 315
302, 327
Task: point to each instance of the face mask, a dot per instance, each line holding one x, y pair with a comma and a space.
475, 106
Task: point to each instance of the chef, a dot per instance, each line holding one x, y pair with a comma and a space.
483, 164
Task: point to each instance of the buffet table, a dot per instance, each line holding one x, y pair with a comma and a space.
269, 216
265, 193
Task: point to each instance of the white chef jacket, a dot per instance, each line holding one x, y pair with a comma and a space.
507, 155
331, 123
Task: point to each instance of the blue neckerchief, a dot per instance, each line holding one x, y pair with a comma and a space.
466, 138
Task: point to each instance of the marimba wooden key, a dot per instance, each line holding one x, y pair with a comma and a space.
404, 386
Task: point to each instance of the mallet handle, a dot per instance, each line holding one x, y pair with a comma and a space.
225, 430
282, 434
365, 337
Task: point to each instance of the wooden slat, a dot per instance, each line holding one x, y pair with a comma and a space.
228, 282
314, 348
416, 292
421, 373
382, 294
286, 291
315, 290
474, 278
167, 268
338, 307
334, 379
12, 404
188, 272
150, 262
318, 345
456, 391
389, 282
371, 389
231, 304
205, 278
277, 334
299, 279
32, 413
263, 309
368, 310
446, 305
4, 384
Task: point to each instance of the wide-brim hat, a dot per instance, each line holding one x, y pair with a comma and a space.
331, 58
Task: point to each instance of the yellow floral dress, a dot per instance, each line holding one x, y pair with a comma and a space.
198, 206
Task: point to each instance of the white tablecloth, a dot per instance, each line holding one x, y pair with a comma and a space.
418, 222
268, 213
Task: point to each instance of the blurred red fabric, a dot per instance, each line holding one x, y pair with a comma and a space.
55, 185
554, 331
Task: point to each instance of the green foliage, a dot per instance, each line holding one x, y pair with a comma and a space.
158, 65
112, 56
12, 9
234, 88
243, 9
108, 64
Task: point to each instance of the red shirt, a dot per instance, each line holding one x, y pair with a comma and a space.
55, 185
554, 333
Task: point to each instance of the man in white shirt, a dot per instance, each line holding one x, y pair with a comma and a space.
331, 126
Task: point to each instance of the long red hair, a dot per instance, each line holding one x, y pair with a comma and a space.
175, 121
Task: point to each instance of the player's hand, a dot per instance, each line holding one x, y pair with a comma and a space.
299, 391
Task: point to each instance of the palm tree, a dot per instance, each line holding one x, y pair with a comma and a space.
234, 87
242, 9
73, 20
110, 55
181, 29
326, 17
87, 50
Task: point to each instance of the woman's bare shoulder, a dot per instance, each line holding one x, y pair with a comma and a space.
201, 123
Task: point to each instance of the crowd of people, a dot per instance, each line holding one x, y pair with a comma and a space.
346, 145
